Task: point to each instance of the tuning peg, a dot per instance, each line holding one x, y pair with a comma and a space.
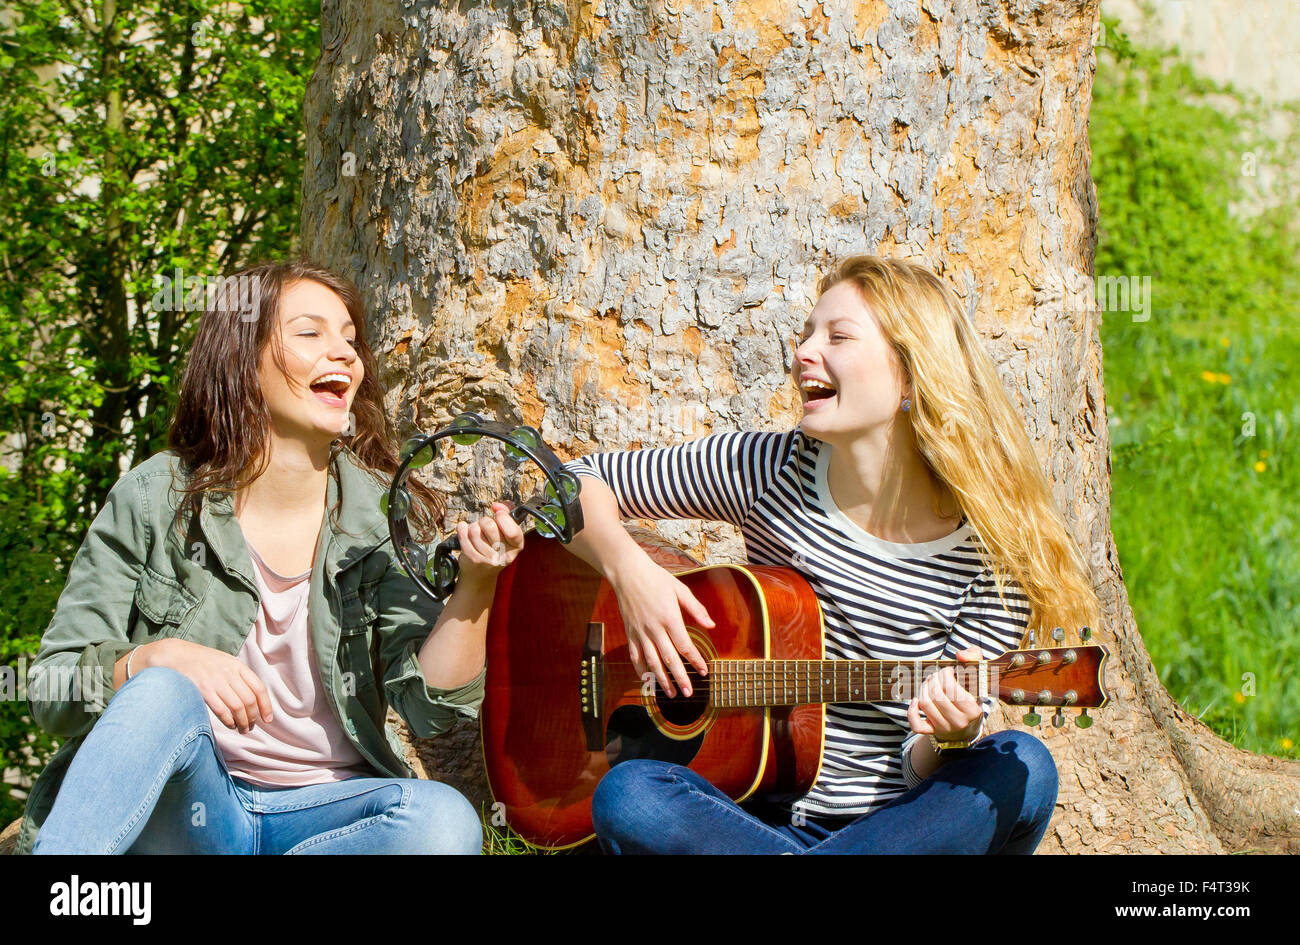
1084, 633
1058, 634
1032, 719
1058, 719
1083, 719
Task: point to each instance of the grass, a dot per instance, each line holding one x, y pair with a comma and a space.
1204, 514
500, 840
1202, 397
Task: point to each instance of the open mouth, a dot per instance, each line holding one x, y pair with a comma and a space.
815, 391
331, 390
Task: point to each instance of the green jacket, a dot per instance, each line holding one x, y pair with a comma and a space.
136, 579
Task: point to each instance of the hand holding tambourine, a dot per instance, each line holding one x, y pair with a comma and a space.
549, 501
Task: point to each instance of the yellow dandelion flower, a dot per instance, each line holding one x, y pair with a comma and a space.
1261, 466
1225, 342
1208, 376
1245, 360
1223, 378
1239, 698
1287, 743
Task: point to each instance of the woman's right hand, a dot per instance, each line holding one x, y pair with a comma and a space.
652, 602
232, 691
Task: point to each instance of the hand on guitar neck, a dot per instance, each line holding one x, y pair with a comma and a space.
651, 600
945, 709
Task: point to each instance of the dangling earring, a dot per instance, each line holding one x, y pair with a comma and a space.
907, 404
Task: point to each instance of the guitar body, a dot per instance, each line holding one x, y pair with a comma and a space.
556, 637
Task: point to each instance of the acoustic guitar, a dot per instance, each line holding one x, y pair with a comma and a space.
563, 703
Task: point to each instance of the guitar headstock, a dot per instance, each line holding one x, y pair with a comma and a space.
1062, 676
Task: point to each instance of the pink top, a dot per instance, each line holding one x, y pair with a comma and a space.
304, 742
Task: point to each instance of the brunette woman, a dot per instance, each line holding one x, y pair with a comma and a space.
236, 625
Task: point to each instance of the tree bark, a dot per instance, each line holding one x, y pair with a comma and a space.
607, 220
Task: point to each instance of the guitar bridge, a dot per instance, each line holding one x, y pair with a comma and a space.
591, 685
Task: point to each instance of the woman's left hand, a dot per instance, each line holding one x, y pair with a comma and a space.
488, 545
951, 713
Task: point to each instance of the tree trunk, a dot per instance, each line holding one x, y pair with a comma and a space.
607, 219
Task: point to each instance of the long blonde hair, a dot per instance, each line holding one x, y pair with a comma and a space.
973, 439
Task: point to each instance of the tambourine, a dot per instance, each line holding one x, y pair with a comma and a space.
554, 512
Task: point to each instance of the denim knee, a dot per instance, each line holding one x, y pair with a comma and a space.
444, 820
616, 807
1041, 779
160, 692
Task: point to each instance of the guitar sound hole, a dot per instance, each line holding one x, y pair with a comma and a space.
631, 733
683, 710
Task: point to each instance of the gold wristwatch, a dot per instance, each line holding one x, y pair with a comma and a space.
943, 747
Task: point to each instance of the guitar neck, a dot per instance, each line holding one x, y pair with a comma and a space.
1052, 676
756, 683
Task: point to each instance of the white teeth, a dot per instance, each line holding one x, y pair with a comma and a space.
811, 384
333, 377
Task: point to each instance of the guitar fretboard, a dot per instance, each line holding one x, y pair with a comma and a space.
756, 683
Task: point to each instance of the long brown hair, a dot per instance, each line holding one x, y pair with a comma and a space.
222, 422
974, 441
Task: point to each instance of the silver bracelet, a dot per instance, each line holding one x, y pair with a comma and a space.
130, 657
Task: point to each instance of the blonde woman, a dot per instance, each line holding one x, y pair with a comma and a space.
911, 500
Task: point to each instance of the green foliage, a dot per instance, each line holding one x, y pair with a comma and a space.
1202, 395
167, 138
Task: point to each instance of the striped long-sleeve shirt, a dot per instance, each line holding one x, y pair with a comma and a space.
879, 599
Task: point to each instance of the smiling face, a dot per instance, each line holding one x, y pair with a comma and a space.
849, 376
318, 337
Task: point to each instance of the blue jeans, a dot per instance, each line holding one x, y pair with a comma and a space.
997, 797
149, 778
